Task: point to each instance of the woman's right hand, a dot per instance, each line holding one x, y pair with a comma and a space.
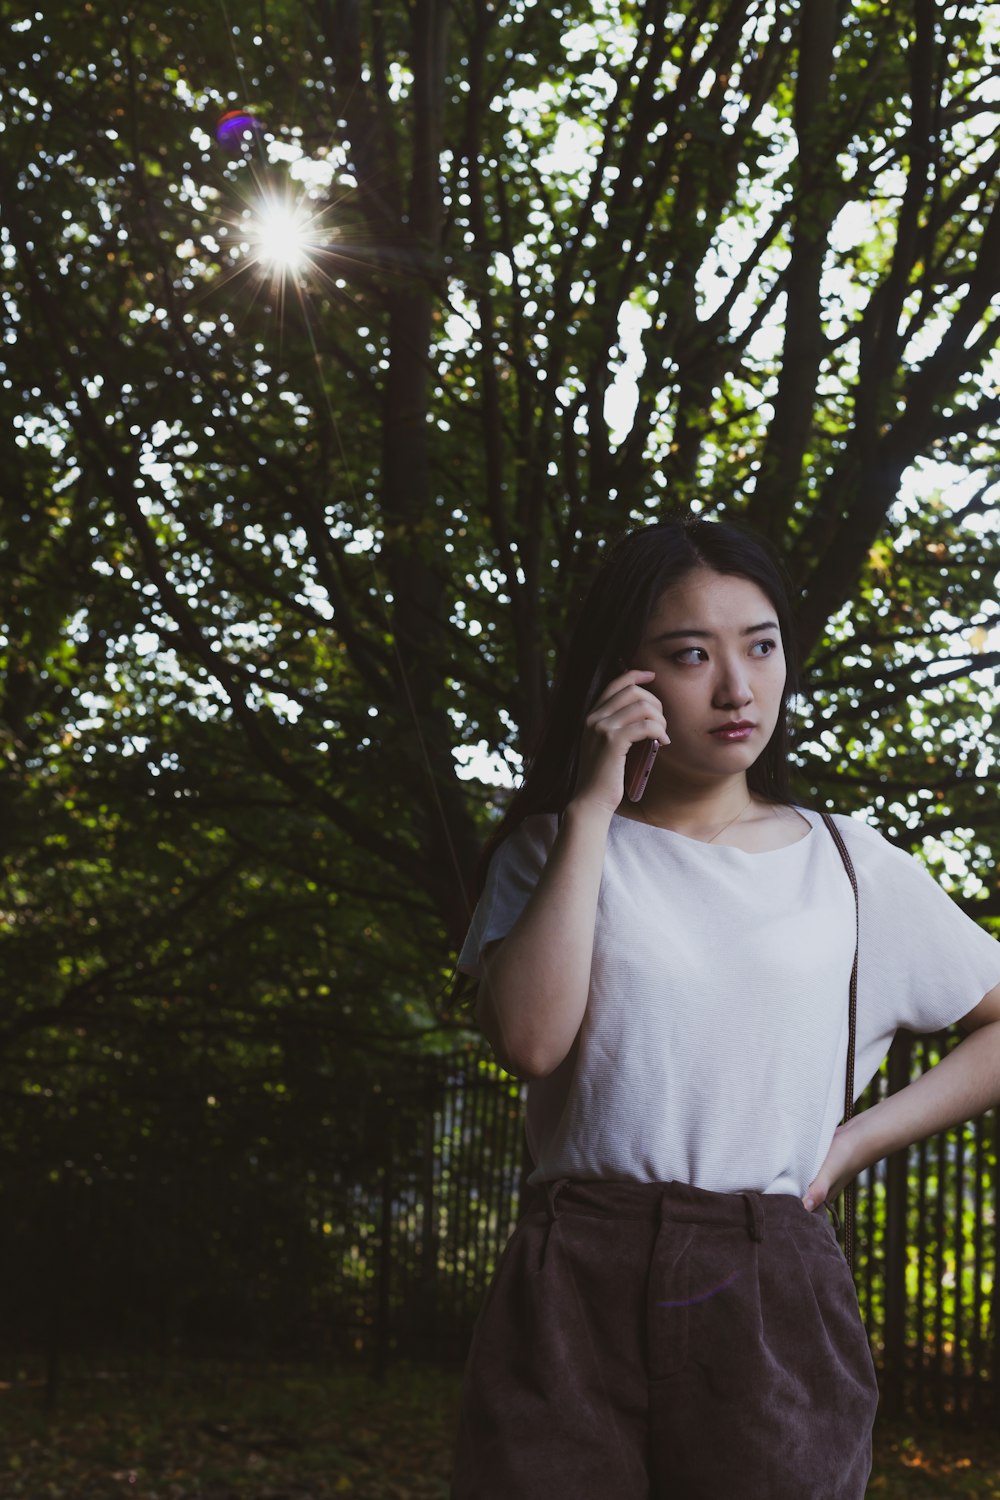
625, 713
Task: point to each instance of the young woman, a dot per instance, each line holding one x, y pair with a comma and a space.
673, 1316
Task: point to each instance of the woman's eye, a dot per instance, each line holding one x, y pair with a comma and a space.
678, 655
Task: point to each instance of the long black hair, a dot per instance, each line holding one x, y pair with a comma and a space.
610, 624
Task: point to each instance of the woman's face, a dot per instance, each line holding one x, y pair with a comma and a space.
716, 649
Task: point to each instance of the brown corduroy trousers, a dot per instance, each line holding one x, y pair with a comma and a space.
656, 1341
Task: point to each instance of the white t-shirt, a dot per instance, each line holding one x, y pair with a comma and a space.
713, 1049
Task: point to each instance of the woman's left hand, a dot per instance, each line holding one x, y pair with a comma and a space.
838, 1169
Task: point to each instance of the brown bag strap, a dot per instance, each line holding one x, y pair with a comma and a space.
850, 1192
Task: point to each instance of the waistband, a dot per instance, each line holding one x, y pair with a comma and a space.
677, 1201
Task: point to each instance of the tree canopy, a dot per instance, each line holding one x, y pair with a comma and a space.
317, 420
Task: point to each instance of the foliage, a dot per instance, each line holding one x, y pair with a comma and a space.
214, 1431
278, 552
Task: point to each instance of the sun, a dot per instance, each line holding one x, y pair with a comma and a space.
286, 239
282, 235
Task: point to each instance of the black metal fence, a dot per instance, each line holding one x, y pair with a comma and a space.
926, 1262
927, 1268
414, 1247
387, 1251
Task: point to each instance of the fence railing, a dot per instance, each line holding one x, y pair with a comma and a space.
926, 1256
390, 1254
926, 1270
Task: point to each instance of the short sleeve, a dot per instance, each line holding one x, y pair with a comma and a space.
923, 962
512, 876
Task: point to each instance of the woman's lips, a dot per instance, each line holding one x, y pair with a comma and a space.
734, 734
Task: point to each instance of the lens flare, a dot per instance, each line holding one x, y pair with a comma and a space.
702, 1296
283, 235
237, 129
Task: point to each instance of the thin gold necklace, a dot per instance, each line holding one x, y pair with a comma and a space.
714, 835
730, 823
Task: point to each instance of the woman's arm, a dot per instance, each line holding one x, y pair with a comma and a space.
961, 1086
535, 983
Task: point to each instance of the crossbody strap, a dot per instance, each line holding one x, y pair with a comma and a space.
850, 1192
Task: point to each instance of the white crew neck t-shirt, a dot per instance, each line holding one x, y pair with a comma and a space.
713, 1049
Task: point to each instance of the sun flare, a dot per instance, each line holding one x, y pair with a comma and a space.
282, 235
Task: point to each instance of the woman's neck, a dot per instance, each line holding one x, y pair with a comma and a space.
696, 815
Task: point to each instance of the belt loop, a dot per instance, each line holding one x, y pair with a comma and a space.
552, 1191
833, 1214
755, 1216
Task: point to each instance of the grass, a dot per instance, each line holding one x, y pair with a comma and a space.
931, 1463
224, 1431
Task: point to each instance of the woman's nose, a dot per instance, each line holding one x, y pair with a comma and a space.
733, 689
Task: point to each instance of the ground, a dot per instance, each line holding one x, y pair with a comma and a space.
243, 1431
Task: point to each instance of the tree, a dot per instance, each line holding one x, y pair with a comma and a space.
274, 542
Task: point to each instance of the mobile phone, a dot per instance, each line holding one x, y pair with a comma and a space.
638, 764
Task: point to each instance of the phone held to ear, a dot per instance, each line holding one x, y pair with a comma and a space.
638, 764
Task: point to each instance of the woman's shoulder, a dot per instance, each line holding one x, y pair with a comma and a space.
865, 842
859, 827
534, 827
534, 835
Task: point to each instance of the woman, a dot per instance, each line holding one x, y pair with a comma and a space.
672, 1316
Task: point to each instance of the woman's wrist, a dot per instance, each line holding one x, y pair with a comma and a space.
584, 811
862, 1140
